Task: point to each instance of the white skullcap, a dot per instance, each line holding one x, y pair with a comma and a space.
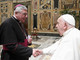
69, 18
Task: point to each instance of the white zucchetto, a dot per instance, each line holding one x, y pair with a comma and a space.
69, 18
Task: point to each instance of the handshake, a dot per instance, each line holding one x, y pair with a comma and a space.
37, 52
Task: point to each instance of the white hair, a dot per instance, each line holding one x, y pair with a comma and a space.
20, 8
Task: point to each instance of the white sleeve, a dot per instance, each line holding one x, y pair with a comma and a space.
50, 49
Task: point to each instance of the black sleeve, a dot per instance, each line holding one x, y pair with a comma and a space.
10, 32
7, 34
19, 50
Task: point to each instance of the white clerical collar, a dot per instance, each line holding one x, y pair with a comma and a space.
14, 16
67, 31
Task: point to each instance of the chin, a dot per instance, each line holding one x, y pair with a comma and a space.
23, 21
60, 34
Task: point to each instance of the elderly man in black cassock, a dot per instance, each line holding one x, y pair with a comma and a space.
12, 37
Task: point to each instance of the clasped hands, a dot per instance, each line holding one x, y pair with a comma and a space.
37, 52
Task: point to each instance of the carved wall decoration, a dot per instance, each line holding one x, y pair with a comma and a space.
3, 17
68, 1
3, 11
6, 10
55, 17
4, 7
69, 4
35, 4
45, 4
45, 18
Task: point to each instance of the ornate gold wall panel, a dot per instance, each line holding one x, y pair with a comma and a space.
6, 10
42, 14
45, 4
45, 15
35, 6
47, 12
68, 1
45, 20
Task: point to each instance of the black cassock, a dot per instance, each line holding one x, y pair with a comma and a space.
10, 37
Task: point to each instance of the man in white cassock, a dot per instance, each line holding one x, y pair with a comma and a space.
68, 47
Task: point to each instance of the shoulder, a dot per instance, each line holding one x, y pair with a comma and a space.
75, 33
8, 22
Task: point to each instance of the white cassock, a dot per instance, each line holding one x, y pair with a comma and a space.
67, 48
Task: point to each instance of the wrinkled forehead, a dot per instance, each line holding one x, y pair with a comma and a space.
60, 20
23, 10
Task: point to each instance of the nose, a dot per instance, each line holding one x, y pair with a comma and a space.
56, 25
26, 16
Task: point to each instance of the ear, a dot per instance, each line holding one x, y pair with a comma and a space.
65, 26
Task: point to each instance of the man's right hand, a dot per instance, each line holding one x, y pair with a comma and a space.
36, 52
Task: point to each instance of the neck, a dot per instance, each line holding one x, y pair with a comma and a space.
67, 28
14, 16
70, 27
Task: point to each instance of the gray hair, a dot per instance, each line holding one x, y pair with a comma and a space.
20, 8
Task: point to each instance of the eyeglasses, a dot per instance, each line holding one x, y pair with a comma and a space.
23, 13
